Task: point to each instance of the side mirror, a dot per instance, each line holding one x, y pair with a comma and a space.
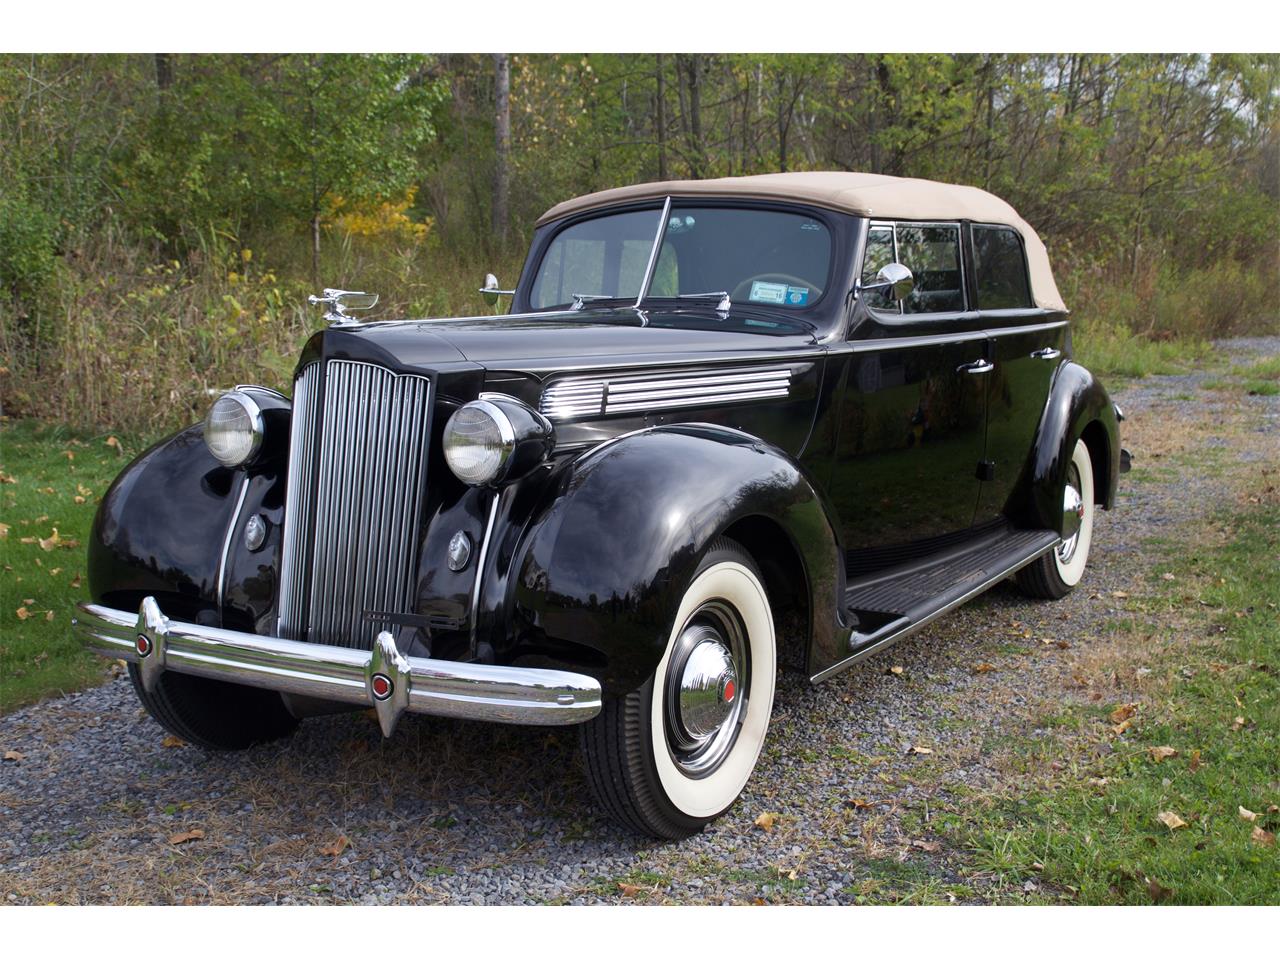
894, 281
490, 290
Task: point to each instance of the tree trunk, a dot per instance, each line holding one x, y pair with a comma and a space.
502, 142
661, 119
164, 71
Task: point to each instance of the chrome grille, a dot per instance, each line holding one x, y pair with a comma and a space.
357, 468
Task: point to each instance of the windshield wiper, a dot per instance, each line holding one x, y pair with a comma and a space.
582, 299
723, 303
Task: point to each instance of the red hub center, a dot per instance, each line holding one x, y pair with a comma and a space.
381, 686
143, 645
729, 691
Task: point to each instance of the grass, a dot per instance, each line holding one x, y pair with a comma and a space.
1095, 834
1258, 379
52, 482
1114, 351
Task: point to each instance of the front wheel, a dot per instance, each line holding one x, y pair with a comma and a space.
1053, 575
212, 713
672, 756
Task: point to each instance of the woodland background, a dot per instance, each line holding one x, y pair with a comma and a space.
163, 216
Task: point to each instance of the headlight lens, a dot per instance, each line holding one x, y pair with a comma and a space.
233, 428
478, 440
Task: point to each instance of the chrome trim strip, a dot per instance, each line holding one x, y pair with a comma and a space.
341, 674
653, 253
899, 343
480, 559
891, 638
226, 541
1026, 328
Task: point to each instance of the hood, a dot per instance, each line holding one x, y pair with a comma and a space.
563, 341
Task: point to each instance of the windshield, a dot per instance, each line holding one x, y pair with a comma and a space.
751, 255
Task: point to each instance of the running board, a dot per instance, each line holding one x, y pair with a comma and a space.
899, 602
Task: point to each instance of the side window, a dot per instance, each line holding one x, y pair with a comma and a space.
932, 254
1000, 268
879, 253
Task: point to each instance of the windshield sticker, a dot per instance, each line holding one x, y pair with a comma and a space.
762, 292
797, 296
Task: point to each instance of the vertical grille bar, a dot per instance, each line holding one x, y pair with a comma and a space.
350, 548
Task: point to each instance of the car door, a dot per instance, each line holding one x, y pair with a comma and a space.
912, 414
1027, 345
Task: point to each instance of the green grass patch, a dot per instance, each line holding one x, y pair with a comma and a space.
52, 482
1114, 351
1098, 835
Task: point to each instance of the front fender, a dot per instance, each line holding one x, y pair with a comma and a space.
603, 568
1077, 401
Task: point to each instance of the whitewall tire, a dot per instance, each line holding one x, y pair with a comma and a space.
674, 755
1053, 575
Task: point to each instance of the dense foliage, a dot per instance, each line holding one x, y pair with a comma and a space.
163, 216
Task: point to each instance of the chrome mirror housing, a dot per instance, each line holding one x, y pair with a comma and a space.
894, 281
490, 290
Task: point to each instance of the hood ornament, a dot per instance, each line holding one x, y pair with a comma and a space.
337, 302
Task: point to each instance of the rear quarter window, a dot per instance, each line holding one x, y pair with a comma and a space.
1000, 269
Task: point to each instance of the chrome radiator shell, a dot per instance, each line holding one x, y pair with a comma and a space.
354, 493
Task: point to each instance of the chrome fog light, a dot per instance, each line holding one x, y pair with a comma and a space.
233, 429
496, 439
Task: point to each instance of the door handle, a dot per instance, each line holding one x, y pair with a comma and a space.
1048, 353
976, 366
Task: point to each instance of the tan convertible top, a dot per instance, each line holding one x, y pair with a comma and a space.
861, 194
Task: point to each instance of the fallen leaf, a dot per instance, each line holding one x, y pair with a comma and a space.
1237, 723
920, 750
68, 454
14, 755
171, 741
766, 821
53, 541
1263, 837
6, 477
79, 499
45, 490
186, 835
113, 442
1247, 814
629, 889
83, 490
859, 804
1167, 576
983, 668
23, 613
1194, 764
1162, 753
1123, 712
1159, 893
1119, 594
896, 670
4, 531
48, 615
75, 581
1122, 726
929, 846
1171, 820
335, 849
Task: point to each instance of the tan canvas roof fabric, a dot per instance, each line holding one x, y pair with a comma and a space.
861, 194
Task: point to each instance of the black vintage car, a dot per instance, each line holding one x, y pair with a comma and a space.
728, 425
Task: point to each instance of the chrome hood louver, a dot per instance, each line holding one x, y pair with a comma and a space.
357, 476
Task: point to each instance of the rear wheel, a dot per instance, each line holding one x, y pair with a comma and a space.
1053, 575
669, 758
212, 713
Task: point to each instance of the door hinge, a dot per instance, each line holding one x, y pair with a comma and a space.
986, 469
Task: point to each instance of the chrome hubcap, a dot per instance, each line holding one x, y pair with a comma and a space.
705, 689
1073, 507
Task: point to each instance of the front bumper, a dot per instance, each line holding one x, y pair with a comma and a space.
381, 678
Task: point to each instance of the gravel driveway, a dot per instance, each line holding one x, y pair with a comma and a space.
456, 812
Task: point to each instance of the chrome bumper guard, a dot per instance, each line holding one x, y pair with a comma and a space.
383, 678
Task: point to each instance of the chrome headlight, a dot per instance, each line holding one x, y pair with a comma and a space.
233, 429
496, 439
